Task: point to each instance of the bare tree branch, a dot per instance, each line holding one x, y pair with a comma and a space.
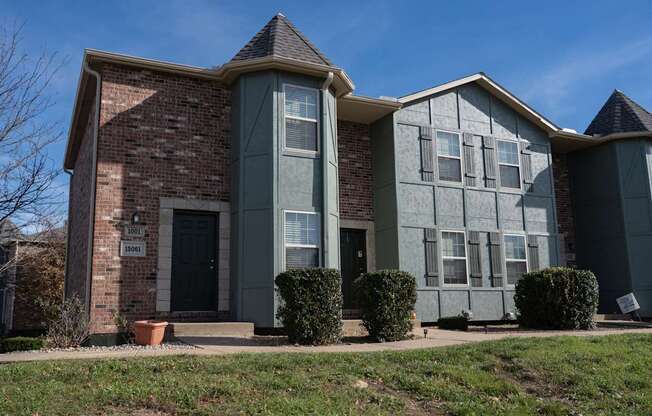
26, 171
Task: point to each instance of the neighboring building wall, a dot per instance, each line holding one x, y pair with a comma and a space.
79, 220
565, 219
161, 136
8, 297
354, 148
613, 214
424, 207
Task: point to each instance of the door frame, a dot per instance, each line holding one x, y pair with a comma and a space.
370, 243
216, 271
164, 275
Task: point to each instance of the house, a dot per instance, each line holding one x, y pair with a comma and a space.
22, 277
192, 188
8, 236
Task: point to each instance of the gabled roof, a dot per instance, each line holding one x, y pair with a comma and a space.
497, 90
279, 37
620, 114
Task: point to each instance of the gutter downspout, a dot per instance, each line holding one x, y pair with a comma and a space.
325, 162
91, 228
65, 266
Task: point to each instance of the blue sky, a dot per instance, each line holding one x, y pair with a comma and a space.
562, 58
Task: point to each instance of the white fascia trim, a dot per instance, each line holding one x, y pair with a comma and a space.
379, 102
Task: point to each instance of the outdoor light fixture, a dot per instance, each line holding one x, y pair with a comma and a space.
467, 314
510, 316
135, 219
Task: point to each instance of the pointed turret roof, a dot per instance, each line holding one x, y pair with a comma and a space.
279, 37
620, 114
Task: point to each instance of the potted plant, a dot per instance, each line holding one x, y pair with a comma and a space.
149, 332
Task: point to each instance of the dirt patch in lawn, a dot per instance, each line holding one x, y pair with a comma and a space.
412, 407
531, 381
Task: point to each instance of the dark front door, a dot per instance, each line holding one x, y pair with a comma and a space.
194, 271
353, 255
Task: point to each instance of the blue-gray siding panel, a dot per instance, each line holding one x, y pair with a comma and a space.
442, 205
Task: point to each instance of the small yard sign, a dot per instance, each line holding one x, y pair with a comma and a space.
628, 303
132, 248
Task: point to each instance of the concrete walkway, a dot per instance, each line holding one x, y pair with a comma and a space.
222, 346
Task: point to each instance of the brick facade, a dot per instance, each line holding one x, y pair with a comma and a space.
161, 136
565, 223
79, 223
354, 150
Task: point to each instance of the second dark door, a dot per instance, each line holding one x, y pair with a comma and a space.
194, 271
353, 262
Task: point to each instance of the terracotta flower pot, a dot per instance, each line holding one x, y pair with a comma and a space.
149, 332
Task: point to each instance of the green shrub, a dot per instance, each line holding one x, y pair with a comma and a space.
386, 301
20, 344
460, 323
311, 308
557, 298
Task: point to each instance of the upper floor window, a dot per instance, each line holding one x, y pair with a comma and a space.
453, 254
448, 156
515, 258
301, 126
302, 239
508, 163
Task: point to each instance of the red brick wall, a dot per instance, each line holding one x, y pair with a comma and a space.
161, 135
566, 225
79, 218
354, 150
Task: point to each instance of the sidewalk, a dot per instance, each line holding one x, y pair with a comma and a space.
221, 346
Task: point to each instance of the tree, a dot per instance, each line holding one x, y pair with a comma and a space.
26, 171
39, 280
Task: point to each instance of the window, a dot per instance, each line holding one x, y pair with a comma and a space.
454, 256
301, 127
448, 156
508, 164
515, 258
302, 239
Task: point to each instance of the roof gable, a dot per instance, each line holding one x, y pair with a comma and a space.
494, 88
279, 37
620, 114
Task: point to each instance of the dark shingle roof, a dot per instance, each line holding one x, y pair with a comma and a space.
620, 114
279, 37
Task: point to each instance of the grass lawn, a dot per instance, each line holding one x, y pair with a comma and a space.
557, 376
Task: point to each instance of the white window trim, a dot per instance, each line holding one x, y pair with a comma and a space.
286, 244
316, 121
465, 258
518, 165
460, 158
506, 260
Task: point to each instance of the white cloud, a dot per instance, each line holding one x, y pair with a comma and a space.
554, 88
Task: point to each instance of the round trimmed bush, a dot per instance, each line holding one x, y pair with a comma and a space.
557, 298
311, 308
386, 301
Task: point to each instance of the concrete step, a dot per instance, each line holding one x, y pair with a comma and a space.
354, 328
212, 329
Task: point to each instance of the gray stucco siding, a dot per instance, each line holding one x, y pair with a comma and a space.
270, 179
611, 190
446, 205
